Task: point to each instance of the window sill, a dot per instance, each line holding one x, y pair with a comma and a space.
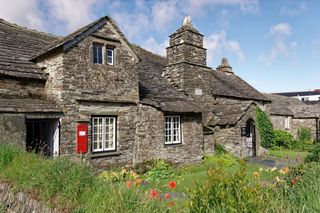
173, 144
105, 154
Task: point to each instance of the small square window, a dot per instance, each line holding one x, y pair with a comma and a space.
109, 56
97, 53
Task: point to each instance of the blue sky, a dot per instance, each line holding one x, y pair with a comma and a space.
272, 44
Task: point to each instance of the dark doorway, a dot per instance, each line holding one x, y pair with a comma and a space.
251, 138
43, 136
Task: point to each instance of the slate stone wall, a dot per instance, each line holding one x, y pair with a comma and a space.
150, 138
22, 88
13, 129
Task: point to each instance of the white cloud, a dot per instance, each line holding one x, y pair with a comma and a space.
218, 44
72, 13
281, 29
293, 11
163, 12
152, 45
25, 13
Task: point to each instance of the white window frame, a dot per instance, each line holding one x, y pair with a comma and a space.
287, 123
109, 49
172, 129
100, 136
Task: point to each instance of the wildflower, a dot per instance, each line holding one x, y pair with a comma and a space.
128, 183
295, 180
134, 175
273, 169
255, 174
298, 158
172, 185
167, 195
170, 204
260, 169
138, 181
284, 170
154, 193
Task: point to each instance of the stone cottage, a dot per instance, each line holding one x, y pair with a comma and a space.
290, 114
94, 94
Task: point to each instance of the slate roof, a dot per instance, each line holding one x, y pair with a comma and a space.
229, 113
300, 93
27, 105
287, 106
17, 45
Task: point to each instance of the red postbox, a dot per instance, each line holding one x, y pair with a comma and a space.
82, 138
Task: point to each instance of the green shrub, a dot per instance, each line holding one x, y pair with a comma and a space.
302, 146
283, 139
304, 135
7, 154
315, 154
225, 192
144, 166
219, 149
225, 160
161, 170
265, 129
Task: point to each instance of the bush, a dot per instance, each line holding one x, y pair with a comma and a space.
144, 166
315, 154
7, 154
161, 170
225, 192
265, 129
283, 139
225, 160
304, 135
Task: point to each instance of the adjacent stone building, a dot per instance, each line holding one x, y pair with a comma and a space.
94, 94
290, 114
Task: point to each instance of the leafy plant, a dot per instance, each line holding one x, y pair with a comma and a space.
304, 135
219, 149
315, 154
225, 160
265, 129
7, 154
144, 166
161, 170
283, 139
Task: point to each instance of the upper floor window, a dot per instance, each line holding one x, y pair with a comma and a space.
97, 53
109, 56
172, 129
103, 134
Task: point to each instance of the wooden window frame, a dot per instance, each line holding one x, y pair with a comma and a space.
172, 132
103, 133
96, 45
111, 49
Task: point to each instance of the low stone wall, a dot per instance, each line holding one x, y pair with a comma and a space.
11, 202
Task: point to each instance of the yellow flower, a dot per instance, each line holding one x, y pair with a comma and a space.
255, 174
273, 169
284, 170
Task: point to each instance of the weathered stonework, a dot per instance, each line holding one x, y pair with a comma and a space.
150, 138
13, 129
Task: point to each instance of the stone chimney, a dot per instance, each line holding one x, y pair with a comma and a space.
225, 67
186, 60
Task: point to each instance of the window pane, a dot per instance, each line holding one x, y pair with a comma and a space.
109, 56
97, 54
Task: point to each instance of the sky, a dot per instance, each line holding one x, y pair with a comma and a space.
272, 44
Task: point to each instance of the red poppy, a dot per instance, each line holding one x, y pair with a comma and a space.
167, 195
154, 193
172, 185
294, 181
128, 183
170, 204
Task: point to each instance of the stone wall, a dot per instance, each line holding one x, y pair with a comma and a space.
18, 202
231, 139
21, 88
295, 124
150, 138
13, 129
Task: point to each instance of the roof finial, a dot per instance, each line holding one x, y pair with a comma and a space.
225, 66
187, 21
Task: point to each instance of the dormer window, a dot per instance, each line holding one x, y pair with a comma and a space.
109, 58
97, 53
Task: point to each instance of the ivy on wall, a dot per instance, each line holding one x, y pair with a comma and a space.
265, 128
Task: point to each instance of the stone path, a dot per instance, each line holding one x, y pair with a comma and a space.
270, 162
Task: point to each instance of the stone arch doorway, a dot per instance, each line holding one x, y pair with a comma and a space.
251, 144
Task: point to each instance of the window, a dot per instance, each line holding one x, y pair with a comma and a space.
172, 129
103, 134
97, 53
287, 123
109, 56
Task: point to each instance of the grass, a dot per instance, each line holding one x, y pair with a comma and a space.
288, 154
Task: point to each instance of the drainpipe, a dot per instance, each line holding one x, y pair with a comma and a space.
317, 128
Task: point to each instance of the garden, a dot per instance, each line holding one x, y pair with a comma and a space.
222, 183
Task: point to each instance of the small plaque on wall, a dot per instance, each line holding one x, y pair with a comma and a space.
243, 131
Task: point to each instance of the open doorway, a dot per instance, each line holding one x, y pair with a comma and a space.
43, 136
251, 138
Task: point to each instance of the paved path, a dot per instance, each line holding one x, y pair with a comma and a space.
270, 162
